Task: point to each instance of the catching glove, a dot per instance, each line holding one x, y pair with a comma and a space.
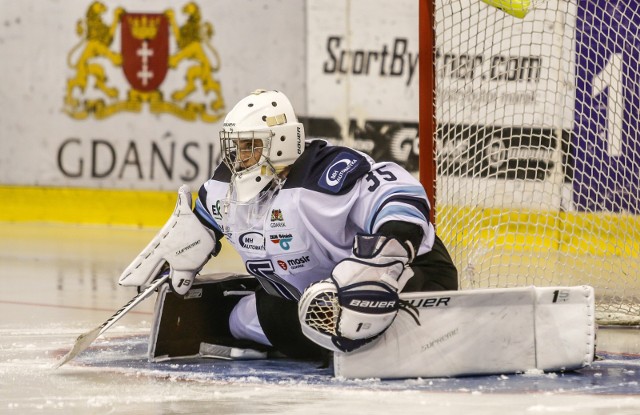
360, 301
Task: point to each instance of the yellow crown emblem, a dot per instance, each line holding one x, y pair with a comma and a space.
144, 27
144, 35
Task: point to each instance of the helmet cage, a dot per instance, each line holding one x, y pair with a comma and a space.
240, 147
260, 138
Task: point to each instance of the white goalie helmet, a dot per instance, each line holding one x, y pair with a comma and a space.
260, 137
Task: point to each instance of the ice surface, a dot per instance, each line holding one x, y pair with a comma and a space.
60, 282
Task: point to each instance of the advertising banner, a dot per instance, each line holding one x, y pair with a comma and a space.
607, 140
131, 94
362, 76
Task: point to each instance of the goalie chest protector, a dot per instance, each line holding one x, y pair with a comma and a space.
331, 194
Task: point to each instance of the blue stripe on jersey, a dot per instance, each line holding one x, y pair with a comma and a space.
412, 197
204, 215
399, 210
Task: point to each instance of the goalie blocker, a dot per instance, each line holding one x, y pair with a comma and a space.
474, 332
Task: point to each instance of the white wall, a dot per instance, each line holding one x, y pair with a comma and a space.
343, 65
261, 44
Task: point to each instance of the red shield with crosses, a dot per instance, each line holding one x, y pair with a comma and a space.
145, 49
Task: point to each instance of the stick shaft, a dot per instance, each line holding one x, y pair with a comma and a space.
140, 297
84, 340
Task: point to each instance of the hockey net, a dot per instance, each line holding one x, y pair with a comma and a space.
537, 145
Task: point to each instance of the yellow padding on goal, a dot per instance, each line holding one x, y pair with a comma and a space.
593, 233
86, 206
517, 8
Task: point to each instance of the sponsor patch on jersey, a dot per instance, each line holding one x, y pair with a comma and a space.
297, 263
282, 239
276, 215
334, 176
283, 265
215, 211
277, 219
252, 241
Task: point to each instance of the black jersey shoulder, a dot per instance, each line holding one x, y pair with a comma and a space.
327, 169
222, 174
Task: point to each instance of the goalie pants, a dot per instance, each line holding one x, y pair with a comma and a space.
433, 271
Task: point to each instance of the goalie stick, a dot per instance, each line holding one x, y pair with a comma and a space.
84, 340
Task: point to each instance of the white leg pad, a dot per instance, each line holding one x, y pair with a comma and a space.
482, 332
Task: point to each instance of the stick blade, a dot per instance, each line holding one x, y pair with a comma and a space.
82, 343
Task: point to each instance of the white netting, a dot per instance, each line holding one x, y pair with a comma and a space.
538, 150
322, 313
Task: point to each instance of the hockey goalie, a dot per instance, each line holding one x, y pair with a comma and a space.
343, 262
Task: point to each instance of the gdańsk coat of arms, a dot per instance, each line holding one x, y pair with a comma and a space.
145, 60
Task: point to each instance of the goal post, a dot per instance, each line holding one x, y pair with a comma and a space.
530, 143
427, 101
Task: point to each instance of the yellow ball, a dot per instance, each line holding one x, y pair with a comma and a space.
517, 8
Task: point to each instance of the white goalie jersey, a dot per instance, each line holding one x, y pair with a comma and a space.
331, 193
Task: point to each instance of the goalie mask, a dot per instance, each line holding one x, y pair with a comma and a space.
261, 136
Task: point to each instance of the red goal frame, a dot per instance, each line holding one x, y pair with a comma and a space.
427, 115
